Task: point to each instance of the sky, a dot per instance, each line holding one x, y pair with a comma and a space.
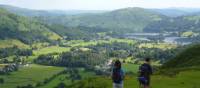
99, 4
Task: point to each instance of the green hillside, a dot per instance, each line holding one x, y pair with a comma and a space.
31, 74
188, 58
11, 43
180, 24
186, 79
26, 30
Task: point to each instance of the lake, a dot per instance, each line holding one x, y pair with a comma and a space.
147, 37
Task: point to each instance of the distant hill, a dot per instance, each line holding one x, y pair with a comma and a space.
26, 30
33, 13
122, 20
171, 12
117, 21
176, 12
181, 24
188, 58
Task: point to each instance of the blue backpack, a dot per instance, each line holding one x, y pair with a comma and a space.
117, 76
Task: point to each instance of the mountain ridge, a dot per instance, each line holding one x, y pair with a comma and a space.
22, 28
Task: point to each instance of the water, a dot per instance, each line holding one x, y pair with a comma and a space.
138, 38
142, 34
173, 40
167, 37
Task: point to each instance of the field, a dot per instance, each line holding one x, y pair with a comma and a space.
186, 79
130, 68
163, 46
12, 42
67, 81
51, 49
74, 43
29, 75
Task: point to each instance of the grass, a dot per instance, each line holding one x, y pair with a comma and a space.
40, 45
163, 46
74, 43
51, 49
130, 67
3, 65
189, 34
129, 41
62, 78
56, 81
12, 42
52, 35
186, 79
29, 75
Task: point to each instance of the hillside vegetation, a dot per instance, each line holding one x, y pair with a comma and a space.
188, 58
180, 24
11, 43
24, 29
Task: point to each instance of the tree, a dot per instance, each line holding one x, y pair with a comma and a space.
1, 80
61, 85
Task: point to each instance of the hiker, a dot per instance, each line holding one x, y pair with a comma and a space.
145, 71
117, 75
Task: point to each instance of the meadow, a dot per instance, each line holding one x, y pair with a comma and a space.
65, 78
50, 49
162, 46
12, 42
31, 74
130, 68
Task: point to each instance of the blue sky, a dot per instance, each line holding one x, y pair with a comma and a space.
99, 4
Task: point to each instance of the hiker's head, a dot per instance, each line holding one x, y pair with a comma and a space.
147, 60
117, 64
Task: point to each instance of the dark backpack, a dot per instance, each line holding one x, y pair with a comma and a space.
117, 76
144, 70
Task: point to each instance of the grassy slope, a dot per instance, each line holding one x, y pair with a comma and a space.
29, 75
187, 79
189, 57
19, 27
62, 78
12, 42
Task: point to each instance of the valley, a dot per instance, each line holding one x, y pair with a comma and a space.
52, 50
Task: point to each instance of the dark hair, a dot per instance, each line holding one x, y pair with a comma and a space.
117, 64
147, 59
